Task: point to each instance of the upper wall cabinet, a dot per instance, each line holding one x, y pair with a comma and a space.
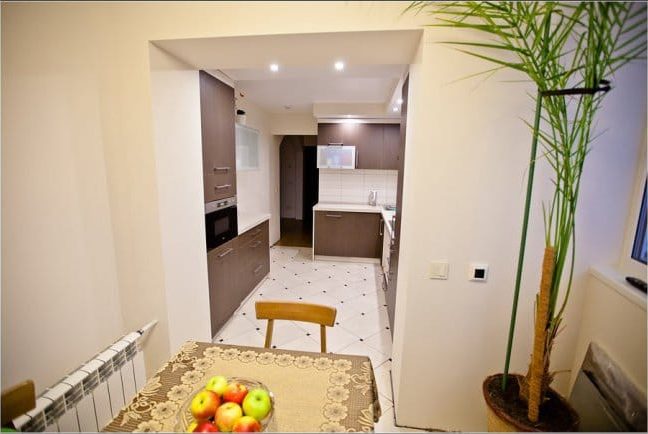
377, 145
217, 116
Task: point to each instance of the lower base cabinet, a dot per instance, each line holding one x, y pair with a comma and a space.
234, 270
348, 234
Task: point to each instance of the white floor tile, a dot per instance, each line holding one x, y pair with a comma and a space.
383, 380
284, 332
362, 349
381, 342
236, 326
304, 343
336, 337
252, 338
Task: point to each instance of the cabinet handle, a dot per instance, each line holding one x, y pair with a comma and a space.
220, 187
381, 228
221, 169
335, 216
256, 244
225, 253
257, 269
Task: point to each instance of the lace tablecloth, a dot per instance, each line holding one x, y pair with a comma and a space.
312, 391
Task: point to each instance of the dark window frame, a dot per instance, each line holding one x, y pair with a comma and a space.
640, 234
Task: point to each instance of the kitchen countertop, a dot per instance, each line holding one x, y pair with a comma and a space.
247, 221
358, 207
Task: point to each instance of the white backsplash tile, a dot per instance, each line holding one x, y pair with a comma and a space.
353, 186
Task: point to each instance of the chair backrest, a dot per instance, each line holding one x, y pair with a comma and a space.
17, 400
296, 311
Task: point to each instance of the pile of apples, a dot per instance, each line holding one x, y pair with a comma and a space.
224, 406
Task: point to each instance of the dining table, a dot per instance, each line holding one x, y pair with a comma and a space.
312, 392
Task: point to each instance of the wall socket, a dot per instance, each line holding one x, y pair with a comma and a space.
439, 270
478, 272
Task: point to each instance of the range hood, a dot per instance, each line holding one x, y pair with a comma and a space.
336, 156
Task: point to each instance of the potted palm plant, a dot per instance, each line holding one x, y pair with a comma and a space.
570, 51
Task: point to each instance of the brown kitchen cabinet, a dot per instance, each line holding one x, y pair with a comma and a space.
221, 262
377, 145
217, 117
391, 146
347, 234
234, 270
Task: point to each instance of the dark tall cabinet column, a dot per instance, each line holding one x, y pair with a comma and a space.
390, 295
218, 143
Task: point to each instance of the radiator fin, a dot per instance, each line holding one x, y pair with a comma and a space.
89, 398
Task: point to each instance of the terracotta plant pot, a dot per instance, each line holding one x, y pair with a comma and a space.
506, 412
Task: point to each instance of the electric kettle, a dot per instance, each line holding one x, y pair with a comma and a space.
373, 197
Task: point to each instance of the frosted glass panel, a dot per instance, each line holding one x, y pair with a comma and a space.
247, 148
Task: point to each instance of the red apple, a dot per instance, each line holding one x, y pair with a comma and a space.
227, 415
205, 426
235, 392
217, 384
247, 424
204, 405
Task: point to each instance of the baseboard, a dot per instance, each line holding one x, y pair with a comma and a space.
347, 259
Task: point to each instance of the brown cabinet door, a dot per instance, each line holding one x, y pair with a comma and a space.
391, 146
219, 186
363, 235
218, 137
369, 146
223, 300
329, 134
254, 260
330, 236
347, 234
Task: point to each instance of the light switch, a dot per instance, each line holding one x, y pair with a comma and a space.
439, 270
478, 272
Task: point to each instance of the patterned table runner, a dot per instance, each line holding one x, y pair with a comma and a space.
312, 391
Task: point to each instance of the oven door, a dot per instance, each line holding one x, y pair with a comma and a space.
221, 226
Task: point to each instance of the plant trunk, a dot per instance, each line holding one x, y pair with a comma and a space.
537, 379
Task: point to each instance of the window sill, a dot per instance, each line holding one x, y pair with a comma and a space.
612, 278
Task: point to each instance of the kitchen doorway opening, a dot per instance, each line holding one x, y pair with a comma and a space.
299, 183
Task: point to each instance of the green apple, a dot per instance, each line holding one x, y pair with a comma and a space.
217, 384
257, 404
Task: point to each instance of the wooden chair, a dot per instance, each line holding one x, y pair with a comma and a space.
17, 400
296, 311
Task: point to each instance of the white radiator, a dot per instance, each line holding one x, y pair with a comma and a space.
93, 394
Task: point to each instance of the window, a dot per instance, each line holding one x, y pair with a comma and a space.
639, 245
247, 148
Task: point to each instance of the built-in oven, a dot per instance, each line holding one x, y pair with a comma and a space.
220, 222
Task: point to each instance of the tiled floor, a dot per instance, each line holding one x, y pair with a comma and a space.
362, 326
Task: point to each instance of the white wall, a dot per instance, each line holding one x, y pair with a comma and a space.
295, 124
614, 317
253, 186
78, 136
60, 290
353, 186
467, 153
175, 95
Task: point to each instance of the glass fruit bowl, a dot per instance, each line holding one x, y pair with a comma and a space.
185, 418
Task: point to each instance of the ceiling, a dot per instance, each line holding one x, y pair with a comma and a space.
375, 64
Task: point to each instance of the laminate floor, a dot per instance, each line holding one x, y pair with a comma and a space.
294, 233
361, 328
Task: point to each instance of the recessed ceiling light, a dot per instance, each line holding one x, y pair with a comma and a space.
339, 66
400, 101
274, 67
395, 109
